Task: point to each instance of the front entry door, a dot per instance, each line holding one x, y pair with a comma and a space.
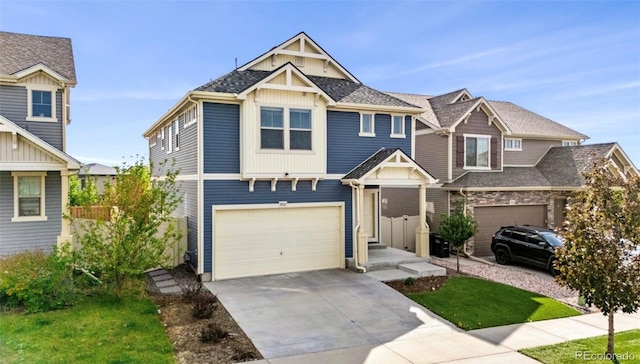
370, 214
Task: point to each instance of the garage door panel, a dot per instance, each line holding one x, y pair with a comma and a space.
276, 240
491, 218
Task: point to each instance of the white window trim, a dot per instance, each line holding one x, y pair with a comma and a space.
569, 143
54, 101
478, 136
286, 129
16, 217
513, 148
163, 142
403, 135
170, 141
194, 111
177, 131
373, 125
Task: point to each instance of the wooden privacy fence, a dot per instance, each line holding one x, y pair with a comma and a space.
399, 232
91, 213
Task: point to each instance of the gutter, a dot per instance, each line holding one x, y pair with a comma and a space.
354, 243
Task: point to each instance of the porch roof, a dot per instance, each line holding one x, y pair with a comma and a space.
389, 167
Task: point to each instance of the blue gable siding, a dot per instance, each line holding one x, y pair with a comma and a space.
221, 132
237, 192
346, 150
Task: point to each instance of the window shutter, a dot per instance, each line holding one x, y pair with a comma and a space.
460, 151
494, 153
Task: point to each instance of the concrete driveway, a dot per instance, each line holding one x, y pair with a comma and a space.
300, 313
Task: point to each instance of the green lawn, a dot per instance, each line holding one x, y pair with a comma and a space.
473, 303
627, 348
100, 329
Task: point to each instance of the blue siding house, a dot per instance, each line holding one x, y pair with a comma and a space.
281, 163
36, 74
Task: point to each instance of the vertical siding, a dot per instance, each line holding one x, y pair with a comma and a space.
346, 150
26, 151
13, 106
221, 133
19, 236
432, 154
478, 124
400, 201
532, 151
237, 192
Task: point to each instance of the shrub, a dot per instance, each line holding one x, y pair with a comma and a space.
212, 334
204, 305
409, 281
191, 291
38, 281
244, 355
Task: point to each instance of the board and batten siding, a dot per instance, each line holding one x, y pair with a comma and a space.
346, 149
20, 236
237, 193
532, 151
478, 123
221, 134
269, 162
13, 106
26, 151
431, 154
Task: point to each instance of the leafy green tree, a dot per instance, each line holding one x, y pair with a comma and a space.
602, 231
457, 228
131, 242
79, 196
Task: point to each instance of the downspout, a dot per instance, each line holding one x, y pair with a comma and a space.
464, 249
354, 242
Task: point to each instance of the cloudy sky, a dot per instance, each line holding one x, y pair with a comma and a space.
577, 63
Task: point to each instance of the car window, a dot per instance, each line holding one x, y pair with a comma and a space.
535, 239
553, 239
506, 232
519, 235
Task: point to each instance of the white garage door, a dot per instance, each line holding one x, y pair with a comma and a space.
260, 241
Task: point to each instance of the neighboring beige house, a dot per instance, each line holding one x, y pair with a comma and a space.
97, 173
512, 165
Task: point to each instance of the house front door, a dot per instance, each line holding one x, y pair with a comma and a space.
370, 214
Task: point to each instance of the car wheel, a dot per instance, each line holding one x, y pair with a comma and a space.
502, 256
554, 272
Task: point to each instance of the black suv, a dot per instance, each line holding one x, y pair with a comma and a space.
526, 244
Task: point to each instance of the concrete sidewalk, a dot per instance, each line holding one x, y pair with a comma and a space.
491, 345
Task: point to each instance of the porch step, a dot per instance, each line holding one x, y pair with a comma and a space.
423, 269
390, 275
377, 246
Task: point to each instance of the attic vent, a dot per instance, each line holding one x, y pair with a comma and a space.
299, 61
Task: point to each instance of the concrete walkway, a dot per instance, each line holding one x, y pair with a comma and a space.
337, 316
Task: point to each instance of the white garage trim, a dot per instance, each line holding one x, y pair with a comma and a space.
333, 229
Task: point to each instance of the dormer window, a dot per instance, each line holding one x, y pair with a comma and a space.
42, 104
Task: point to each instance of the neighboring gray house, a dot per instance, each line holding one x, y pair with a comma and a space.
36, 74
512, 165
97, 173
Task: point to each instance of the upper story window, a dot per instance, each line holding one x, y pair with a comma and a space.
286, 129
300, 129
367, 125
397, 126
513, 144
42, 105
29, 196
569, 143
169, 142
177, 131
476, 151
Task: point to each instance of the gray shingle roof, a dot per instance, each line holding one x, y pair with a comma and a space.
559, 167
525, 122
21, 51
97, 169
423, 102
338, 89
370, 163
448, 114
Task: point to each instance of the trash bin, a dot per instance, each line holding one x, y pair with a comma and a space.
438, 246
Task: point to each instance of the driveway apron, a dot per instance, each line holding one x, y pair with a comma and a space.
317, 311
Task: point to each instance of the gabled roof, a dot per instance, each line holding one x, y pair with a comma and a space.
305, 39
427, 116
386, 159
97, 169
7, 125
22, 51
524, 122
559, 168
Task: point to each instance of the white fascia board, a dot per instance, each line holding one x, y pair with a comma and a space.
71, 163
26, 166
41, 67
